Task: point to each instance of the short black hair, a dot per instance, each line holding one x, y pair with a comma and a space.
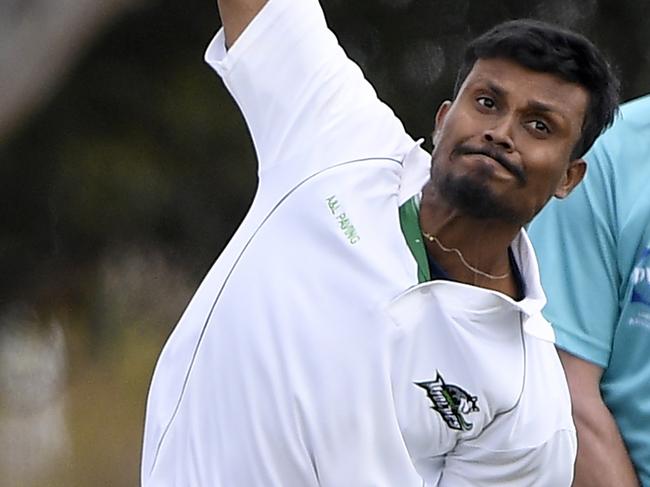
547, 48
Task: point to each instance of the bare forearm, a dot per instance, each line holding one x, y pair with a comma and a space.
603, 460
236, 15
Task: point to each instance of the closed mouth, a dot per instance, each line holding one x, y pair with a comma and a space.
496, 156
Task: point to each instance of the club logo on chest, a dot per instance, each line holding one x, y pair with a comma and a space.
451, 402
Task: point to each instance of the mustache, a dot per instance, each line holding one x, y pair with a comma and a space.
465, 149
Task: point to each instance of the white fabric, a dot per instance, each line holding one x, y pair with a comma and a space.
296, 361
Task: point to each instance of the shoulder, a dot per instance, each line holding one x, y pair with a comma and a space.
636, 113
628, 135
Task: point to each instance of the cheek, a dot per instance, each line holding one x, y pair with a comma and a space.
441, 134
449, 136
441, 146
542, 187
456, 123
546, 165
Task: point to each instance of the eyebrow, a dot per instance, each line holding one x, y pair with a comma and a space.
541, 107
555, 114
496, 89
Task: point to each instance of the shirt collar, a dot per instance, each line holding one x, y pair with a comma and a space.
522, 251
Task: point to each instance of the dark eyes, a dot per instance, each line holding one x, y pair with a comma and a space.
486, 101
539, 126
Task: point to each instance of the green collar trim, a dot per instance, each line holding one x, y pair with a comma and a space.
409, 218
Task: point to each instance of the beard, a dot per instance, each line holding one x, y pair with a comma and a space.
474, 198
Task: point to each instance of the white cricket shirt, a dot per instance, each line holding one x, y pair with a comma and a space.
310, 355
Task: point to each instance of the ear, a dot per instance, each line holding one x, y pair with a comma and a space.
441, 114
574, 173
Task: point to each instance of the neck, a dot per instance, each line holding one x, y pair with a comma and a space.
480, 246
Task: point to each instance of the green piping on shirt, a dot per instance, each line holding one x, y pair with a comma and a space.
409, 217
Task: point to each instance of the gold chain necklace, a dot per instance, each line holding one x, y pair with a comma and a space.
434, 239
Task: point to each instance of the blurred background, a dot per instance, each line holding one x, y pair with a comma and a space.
124, 169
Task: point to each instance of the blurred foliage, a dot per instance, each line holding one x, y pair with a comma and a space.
124, 187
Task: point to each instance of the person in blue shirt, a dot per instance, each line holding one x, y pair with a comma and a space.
594, 254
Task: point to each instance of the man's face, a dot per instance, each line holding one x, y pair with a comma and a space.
503, 147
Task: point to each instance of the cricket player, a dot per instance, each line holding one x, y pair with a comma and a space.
376, 319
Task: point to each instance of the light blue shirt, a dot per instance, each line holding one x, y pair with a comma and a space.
594, 255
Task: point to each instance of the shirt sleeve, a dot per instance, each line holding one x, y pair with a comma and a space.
306, 104
576, 243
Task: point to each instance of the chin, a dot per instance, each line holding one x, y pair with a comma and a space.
476, 199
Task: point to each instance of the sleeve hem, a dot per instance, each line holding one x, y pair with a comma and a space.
582, 347
223, 60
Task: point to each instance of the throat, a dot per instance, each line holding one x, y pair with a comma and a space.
470, 250
461, 258
442, 265
487, 260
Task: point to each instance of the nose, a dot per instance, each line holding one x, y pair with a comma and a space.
500, 134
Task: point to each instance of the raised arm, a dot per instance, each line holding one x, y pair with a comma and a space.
306, 104
236, 15
603, 460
